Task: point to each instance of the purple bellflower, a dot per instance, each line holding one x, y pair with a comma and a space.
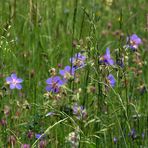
132, 134
79, 111
68, 72
39, 136
78, 61
134, 41
54, 84
14, 82
111, 80
106, 59
115, 140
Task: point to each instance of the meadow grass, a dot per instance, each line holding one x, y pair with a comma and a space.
37, 39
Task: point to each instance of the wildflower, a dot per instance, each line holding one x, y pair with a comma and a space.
3, 122
73, 138
79, 111
39, 136
115, 140
14, 82
106, 59
68, 72
78, 61
54, 84
143, 135
134, 41
59, 65
50, 114
30, 134
25, 146
42, 144
111, 80
132, 134
120, 62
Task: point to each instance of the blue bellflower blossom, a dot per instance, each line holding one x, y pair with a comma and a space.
54, 84
78, 61
111, 80
79, 111
106, 59
68, 72
14, 82
134, 41
39, 136
132, 134
115, 140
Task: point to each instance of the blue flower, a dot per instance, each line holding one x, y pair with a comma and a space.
54, 84
132, 134
111, 80
134, 41
39, 136
68, 72
79, 111
14, 82
115, 140
106, 59
78, 61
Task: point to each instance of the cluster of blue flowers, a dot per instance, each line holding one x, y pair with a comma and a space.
55, 82
77, 61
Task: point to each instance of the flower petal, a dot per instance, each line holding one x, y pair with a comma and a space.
110, 61
48, 88
49, 81
60, 82
112, 80
13, 76
56, 90
19, 80
108, 52
56, 78
12, 86
9, 80
67, 68
18, 86
62, 72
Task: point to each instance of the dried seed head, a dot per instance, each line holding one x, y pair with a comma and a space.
52, 71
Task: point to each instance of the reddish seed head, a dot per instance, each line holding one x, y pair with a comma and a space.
42, 144
3, 122
30, 134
